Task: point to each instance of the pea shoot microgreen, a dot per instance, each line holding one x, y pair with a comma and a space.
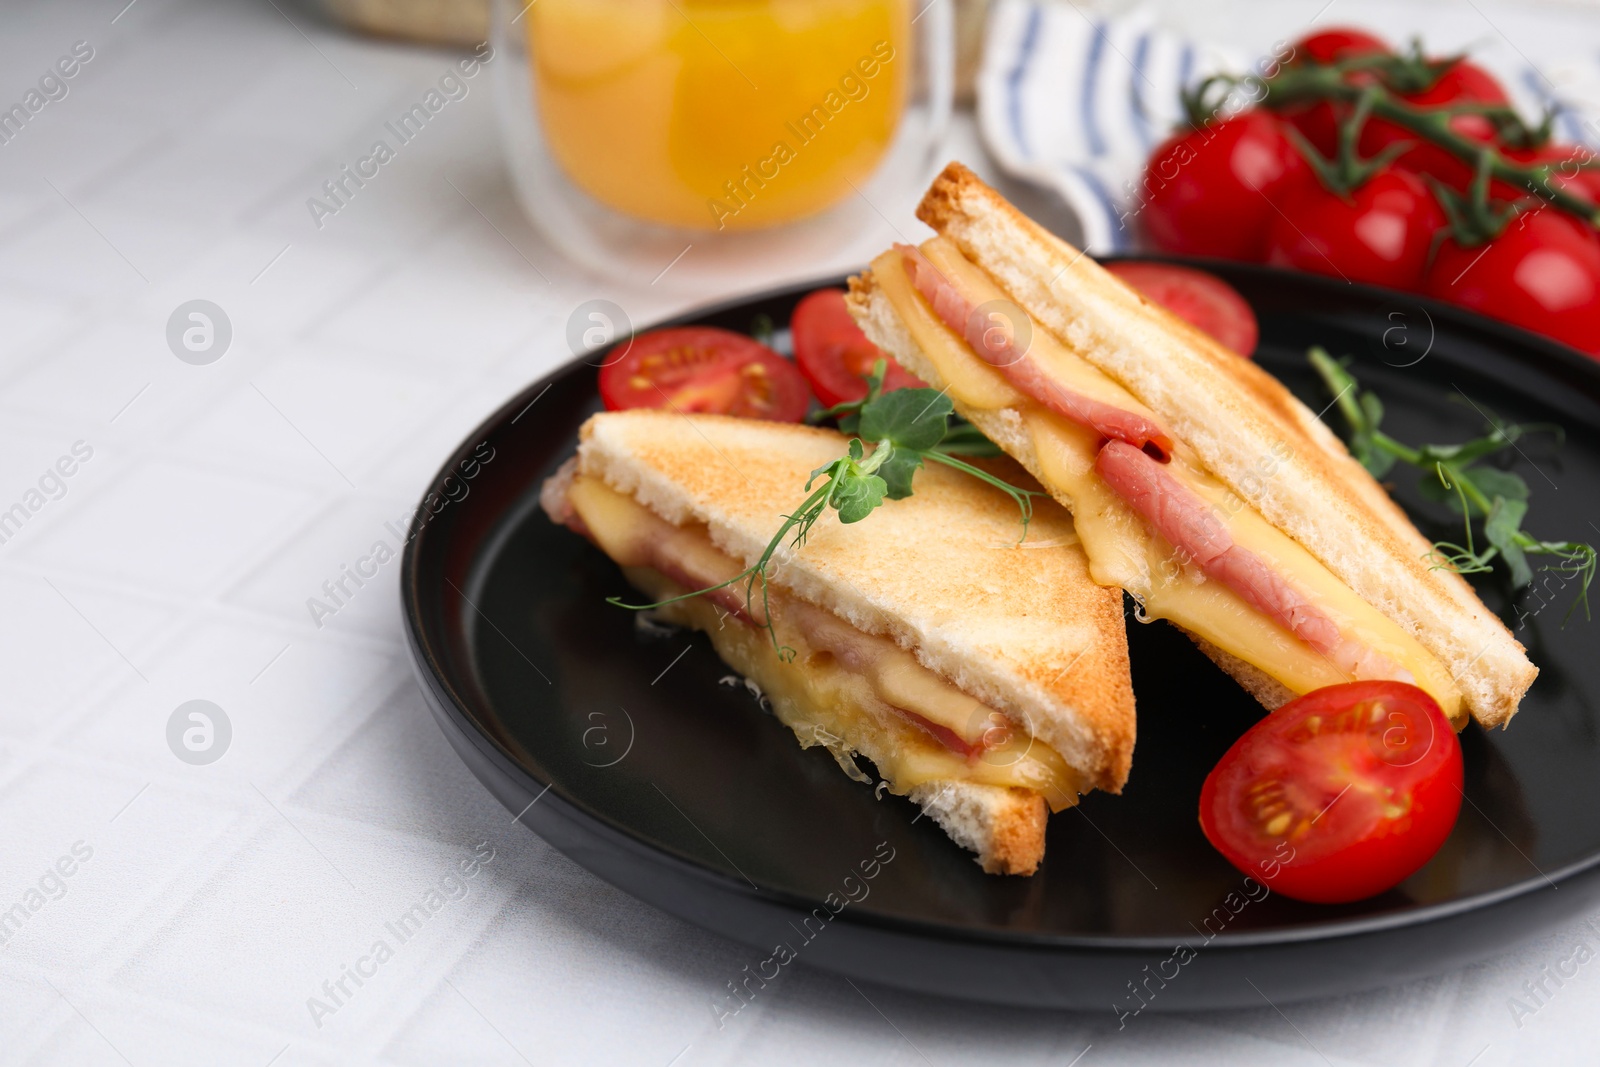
906, 428
1462, 483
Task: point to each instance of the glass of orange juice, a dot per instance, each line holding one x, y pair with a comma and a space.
730, 142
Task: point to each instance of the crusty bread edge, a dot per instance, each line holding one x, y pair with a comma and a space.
882, 324
1102, 754
1384, 565
1005, 827
1272, 693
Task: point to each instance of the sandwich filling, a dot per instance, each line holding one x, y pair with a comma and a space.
832, 684
1151, 518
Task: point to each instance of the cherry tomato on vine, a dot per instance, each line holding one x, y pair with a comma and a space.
1573, 169
1210, 192
1339, 794
1319, 121
701, 369
833, 353
1379, 234
1464, 83
1542, 273
1337, 43
1203, 300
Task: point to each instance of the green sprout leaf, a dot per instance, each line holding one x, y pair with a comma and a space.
1501, 527
1363, 412
965, 439
1495, 482
1498, 498
1490, 481
898, 470
856, 494
914, 419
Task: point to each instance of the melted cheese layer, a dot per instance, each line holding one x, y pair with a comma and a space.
1122, 550
850, 691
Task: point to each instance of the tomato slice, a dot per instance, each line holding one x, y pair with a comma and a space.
1339, 794
1203, 300
705, 370
833, 353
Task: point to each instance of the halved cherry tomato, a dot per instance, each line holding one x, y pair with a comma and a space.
701, 369
1203, 300
833, 353
1339, 794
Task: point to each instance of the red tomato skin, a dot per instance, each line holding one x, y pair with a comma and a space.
1381, 236
1210, 192
1542, 273
1425, 158
833, 353
1567, 172
703, 369
1464, 83
1319, 122
1321, 867
1380, 862
1203, 300
1337, 43
1581, 182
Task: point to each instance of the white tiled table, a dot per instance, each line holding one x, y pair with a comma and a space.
216, 900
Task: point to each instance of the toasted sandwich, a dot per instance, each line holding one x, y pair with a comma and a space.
1197, 482
986, 679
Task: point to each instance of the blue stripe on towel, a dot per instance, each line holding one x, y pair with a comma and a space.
1120, 238
1087, 102
1564, 116
1141, 116
1030, 39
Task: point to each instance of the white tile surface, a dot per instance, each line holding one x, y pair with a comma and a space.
178, 563
183, 527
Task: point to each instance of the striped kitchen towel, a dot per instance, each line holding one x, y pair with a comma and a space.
1075, 101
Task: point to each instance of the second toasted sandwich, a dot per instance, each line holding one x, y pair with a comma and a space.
986, 680
1197, 482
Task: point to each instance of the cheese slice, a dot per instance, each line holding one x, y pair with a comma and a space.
1123, 551
833, 685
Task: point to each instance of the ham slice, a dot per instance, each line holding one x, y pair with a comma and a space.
684, 556
687, 557
995, 344
730, 598
1181, 517
1132, 463
869, 655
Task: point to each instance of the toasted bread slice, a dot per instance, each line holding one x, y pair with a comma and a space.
880, 322
1019, 627
1005, 827
1231, 413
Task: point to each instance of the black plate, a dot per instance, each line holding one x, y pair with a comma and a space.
640, 764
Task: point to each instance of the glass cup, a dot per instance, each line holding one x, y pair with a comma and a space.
721, 143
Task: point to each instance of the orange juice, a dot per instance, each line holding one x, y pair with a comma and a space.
719, 114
